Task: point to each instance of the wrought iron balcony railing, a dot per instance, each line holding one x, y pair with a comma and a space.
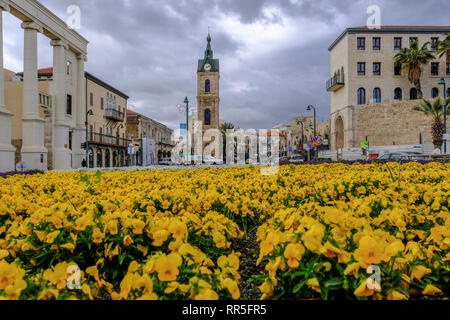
114, 115
335, 83
106, 140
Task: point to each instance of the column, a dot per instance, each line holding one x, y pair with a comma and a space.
34, 153
7, 156
79, 135
61, 151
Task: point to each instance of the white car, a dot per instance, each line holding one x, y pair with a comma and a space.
296, 159
211, 160
165, 162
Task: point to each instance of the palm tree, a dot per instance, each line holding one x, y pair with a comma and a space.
412, 59
436, 111
443, 47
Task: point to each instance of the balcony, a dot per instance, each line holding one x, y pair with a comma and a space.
110, 141
335, 83
114, 115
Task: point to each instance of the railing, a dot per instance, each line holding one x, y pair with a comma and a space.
44, 100
114, 114
103, 139
335, 83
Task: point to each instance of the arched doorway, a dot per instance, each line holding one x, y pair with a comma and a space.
99, 158
107, 158
339, 133
91, 158
115, 159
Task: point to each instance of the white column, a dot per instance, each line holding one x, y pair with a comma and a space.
61, 151
79, 135
6, 149
34, 154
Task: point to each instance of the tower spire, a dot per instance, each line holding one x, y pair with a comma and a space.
208, 53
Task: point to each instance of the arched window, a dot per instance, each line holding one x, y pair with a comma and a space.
207, 117
434, 93
99, 159
207, 85
361, 96
107, 158
448, 93
398, 94
413, 94
377, 95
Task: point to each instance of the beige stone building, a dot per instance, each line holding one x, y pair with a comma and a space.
140, 126
370, 97
66, 91
107, 138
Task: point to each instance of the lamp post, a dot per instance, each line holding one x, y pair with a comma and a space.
310, 107
442, 82
303, 133
186, 101
89, 113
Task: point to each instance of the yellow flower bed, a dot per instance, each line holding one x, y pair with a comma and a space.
169, 234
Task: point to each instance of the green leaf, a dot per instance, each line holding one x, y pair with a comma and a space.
121, 258
335, 282
299, 286
297, 274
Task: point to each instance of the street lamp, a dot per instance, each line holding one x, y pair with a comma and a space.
303, 134
186, 101
310, 108
89, 113
442, 82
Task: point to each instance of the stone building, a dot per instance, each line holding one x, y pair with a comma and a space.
370, 97
107, 139
140, 126
69, 56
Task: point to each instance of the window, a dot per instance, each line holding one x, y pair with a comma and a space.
398, 94
91, 132
69, 104
207, 117
361, 43
91, 99
207, 86
377, 68
397, 43
361, 96
434, 42
398, 70
435, 68
447, 69
448, 93
377, 95
413, 94
412, 39
434, 93
69, 68
101, 103
361, 68
376, 44
70, 140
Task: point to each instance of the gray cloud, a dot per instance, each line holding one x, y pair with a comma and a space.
149, 50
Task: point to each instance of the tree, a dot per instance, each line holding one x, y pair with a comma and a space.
443, 48
436, 111
412, 59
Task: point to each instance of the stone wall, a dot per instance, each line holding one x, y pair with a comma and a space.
391, 124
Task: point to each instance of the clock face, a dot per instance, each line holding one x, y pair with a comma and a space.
207, 67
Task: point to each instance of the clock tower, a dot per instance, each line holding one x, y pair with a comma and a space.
208, 99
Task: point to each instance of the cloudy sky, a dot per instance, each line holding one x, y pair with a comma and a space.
274, 57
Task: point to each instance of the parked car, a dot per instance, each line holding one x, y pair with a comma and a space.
296, 159
284, 160
165, 162
211, 160
400, 156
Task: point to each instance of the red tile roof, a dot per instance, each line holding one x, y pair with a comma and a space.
44, 71
131, 112
405, 27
